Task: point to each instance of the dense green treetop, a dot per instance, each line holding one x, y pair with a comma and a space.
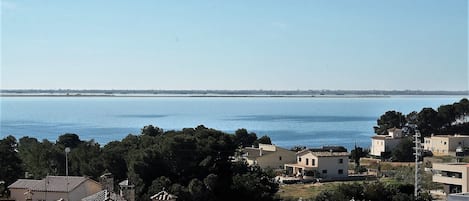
193, 163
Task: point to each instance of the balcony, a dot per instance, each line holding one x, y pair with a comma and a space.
447, 180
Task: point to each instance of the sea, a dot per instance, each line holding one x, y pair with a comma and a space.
288, 121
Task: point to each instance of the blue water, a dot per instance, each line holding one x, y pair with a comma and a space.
308, 122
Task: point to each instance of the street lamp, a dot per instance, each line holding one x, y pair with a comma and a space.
67, 150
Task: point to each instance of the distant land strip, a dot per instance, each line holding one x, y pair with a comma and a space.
219, 93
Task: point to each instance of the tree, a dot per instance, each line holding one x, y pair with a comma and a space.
11, 168
152, 130
69, 140
404, 151
428, 121
388, 120
243, 138
41, 158
263, 140
356, 154
446, 115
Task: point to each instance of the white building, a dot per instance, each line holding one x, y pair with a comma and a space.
319, 164
382, 145
454, 176
268, 156
441, 145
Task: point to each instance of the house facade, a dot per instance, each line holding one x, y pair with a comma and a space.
268, 156
441, 145
322, 164
454, 176
382, 145
53, 188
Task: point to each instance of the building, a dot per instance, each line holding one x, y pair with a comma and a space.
454, 176
382, 145
441, 145
458, 197
320, 164
107, 194
163, 195
53, 188
104, 195
268, 156
127, 190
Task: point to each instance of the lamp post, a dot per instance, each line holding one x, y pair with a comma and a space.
67, 150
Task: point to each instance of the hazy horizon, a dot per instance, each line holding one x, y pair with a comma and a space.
240, 45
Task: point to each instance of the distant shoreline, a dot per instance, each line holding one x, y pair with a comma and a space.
212, 96
225, 93
191, 96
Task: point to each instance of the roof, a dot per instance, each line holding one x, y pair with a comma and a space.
104, 195
323, 153
163, 195
253, 153
394, 129
125, 183
50, 183
451, 136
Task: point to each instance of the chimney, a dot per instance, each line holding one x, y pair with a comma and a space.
107, 182
260, 151
127, 190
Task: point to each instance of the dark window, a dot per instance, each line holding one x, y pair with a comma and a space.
279, 158
341, 160
313, 162
341, 171
324, 171
299, 159
307, 161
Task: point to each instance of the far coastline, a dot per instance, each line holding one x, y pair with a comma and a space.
225, 93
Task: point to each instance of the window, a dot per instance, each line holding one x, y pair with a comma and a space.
280, 158
313, 162
324, 171
299, 159
307, 161
444, 143
341, 160
341, 171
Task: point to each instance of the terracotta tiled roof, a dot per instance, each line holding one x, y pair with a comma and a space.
50, 183
253, 153
163, 195
104, 195
322, 153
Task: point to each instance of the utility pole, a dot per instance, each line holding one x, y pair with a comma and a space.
418, 154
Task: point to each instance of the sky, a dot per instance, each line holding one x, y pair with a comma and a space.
242, 44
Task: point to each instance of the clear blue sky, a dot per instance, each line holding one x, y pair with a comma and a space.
311, 44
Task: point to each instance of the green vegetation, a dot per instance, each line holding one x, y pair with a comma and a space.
194, 164
345, 191
428, 120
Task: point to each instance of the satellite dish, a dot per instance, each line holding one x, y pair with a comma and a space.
67, 149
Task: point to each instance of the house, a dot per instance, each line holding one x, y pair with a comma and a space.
441, 145
127, 190
104, 195
163, 195
320, 163
268, 156
53, 188
454, 176
107, 194
382, 145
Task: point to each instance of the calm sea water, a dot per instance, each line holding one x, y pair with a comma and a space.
288, 121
